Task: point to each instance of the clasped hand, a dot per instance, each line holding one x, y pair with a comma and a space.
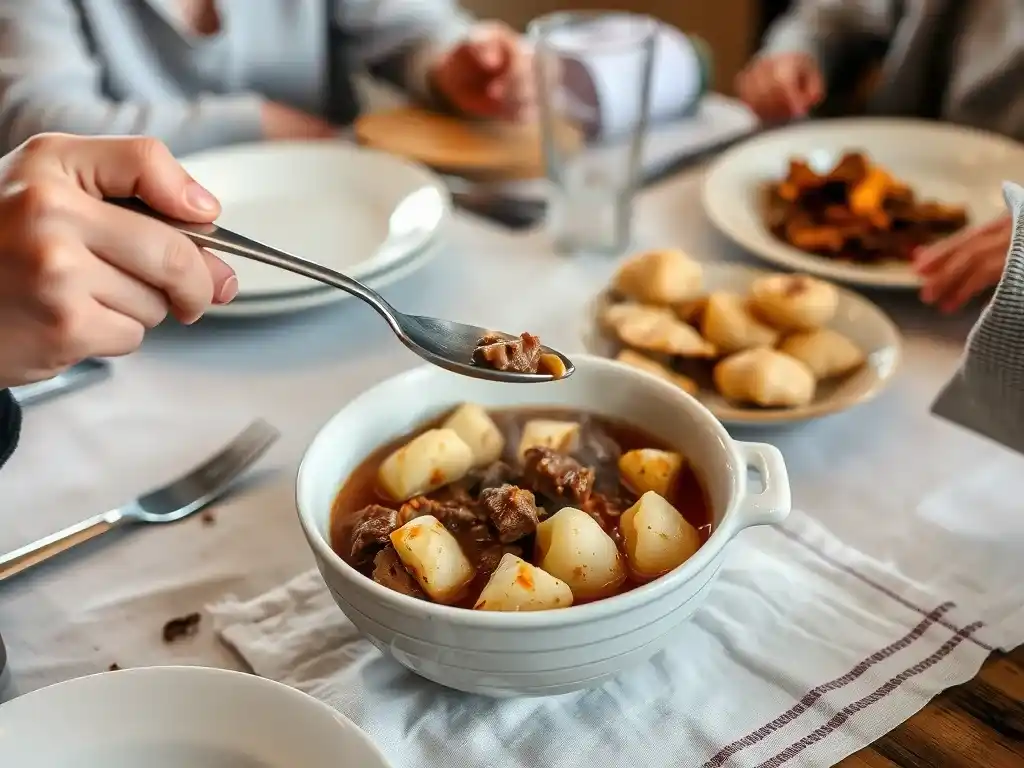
80, 277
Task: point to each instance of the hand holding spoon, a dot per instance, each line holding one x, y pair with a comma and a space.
456, 347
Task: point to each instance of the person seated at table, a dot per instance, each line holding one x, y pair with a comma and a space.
201, 73
956, 60
82, 278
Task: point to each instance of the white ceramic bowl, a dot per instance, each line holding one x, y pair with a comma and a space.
167, 717
550, 652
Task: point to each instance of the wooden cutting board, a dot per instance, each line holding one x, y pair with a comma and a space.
459, 146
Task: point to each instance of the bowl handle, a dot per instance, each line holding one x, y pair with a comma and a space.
771, 506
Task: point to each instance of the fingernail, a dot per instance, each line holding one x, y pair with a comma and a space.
200, 199
228, 290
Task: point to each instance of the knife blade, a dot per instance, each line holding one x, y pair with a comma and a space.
518, 213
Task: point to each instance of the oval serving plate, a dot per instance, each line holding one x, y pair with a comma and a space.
944, 162
856, 317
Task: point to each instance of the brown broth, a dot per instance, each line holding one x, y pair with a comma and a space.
688, 496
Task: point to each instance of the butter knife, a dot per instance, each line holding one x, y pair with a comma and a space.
525, 212
77, 376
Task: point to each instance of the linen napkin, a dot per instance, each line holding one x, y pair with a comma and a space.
804, 652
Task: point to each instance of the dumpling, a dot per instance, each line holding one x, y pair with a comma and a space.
434, 558
826, 352
425, 463
794, 302
477, 430
572, 546
650, 469
659, 277
644, 363
765, 377
691, 311
656, 536
559, 436
729, 325
656, 329
516, 585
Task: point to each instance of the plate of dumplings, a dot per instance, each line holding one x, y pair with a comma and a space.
755, 347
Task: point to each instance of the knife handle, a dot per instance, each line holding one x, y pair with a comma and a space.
77, 376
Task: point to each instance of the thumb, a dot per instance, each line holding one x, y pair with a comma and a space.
142, 167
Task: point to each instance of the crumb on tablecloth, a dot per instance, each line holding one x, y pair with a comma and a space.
181, 627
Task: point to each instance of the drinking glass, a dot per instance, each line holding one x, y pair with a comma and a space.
593, 175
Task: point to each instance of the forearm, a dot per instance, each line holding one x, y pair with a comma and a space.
10, 425
992, 373
51, 79
184, 126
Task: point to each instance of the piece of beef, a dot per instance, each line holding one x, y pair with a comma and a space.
601, 451
495, 475
389, 571
372, 532
453, 513
606, 505
487, 562
512, 510
520, 355
557, 475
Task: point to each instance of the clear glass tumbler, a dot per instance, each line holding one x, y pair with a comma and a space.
593, 175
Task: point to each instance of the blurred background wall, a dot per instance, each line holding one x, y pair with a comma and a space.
732, 27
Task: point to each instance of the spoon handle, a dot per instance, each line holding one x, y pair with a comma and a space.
220, 239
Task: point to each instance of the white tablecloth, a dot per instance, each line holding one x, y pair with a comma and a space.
883, 477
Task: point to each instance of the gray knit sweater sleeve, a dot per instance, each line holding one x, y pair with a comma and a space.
987, 393
824, 28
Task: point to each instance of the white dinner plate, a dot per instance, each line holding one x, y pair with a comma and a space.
860, 320
169, 717
353, 209
943, 162
322, 295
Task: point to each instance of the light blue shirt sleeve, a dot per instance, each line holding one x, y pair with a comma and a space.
50, 81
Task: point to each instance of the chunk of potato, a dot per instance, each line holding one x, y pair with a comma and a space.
560, 436
657, 537
650, 469
478, 431
573, 547
516, 585
434, 558
425, 463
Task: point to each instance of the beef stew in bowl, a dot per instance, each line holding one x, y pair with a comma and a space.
520, 509
529, 651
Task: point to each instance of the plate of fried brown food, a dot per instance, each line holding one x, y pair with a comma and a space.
851, 200
756, 347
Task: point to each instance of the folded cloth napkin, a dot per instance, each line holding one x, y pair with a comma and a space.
805, 652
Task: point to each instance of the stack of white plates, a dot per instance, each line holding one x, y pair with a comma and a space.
372, 216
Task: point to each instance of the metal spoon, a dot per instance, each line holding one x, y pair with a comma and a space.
444, 343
